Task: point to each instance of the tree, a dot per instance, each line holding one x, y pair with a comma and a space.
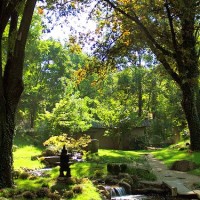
16, 15
171, 30
71, 114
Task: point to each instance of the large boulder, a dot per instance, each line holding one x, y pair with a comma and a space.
183, 165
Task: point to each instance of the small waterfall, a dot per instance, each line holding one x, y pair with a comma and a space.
120, 191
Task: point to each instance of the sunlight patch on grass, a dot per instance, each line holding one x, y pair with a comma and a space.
22, 157
118, 155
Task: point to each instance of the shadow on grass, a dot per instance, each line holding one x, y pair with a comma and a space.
27, 140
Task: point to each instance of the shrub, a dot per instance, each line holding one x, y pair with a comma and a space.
45, 185
24, 175
43, 192
113, 168
57, 142
16, 174
78, 189
98, 173
68, 194
32, 177
123, 168
54, 196
28, 195
71, 181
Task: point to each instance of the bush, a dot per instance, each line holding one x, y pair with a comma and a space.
71, 181
68, 194
98, 173
43, 192
24, 175
57, 142
123, 168
16, 174
113, 168
78, 189
54, 196
28, 195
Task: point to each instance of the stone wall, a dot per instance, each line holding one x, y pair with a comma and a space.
109, 142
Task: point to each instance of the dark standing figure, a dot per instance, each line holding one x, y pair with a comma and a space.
64, 163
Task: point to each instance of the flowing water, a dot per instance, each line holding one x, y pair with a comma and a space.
119, 193
130, 197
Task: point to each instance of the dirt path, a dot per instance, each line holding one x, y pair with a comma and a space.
164, 174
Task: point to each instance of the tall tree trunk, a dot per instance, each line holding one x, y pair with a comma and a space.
11, 87
6, 158
190, 107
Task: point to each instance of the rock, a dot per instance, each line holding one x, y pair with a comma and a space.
125, 177
51, 161
149, 191
126, 186
152, 184
183, 165
111, 180
93, 146
49, 152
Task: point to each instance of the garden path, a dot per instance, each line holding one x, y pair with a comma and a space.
164, 174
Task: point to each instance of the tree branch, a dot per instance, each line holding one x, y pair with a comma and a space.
142, 28
178, 55
6, 12
22, 34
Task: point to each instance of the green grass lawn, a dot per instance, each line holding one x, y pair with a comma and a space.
24, 157
95, 164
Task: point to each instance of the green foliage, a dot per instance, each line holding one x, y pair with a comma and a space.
143, 174
92, 157
72, 144
69, 92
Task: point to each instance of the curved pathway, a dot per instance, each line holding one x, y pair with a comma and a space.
164, 174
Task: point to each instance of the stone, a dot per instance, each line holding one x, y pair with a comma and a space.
93, 146
51, 161
183, 165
